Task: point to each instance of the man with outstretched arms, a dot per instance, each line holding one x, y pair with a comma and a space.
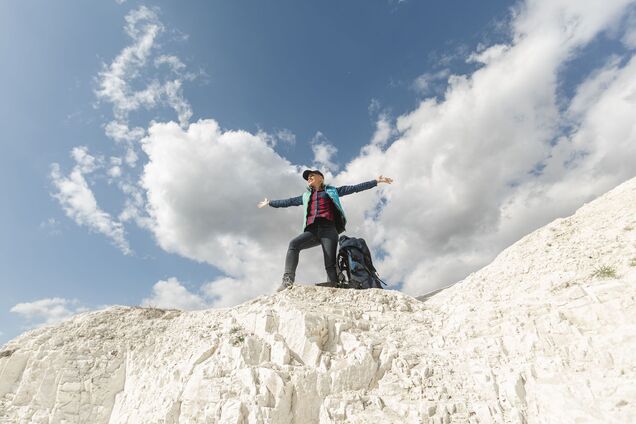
324, 219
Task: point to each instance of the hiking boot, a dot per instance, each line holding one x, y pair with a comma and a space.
288, 281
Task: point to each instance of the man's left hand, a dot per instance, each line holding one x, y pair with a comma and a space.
383, 179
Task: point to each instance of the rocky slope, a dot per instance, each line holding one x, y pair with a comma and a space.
544, 334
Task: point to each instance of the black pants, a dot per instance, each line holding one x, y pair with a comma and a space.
321, 232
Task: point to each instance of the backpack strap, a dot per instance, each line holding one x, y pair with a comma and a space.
374, 274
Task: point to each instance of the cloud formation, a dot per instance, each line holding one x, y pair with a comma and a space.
489, 161
48, 311
79, 203
171, 294
324, 153
118, 81
202, 186
118, 85
500, 153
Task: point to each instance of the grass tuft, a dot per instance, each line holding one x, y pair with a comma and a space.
604, 271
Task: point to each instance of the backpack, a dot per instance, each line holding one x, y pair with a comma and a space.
354, 266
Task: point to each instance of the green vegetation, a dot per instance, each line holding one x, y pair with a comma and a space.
604, 271
238, 340
150, 311
237, 337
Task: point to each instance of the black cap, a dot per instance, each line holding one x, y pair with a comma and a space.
309, 171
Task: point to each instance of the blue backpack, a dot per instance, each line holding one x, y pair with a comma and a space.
354, 265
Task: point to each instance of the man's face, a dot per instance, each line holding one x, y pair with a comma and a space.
314, 180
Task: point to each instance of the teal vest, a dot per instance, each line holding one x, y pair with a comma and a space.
332, 192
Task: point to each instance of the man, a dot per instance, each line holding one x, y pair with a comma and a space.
324, 220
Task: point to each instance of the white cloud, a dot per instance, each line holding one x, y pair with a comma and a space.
630, 38
273, 139
202, 186
427, 82
118, 85
324, 153
489, 55
131, 156
48, 311
134, 208
115, 170
465, 166
119, 131
286, 136
79, 203
383, 132
85, 163
374, 106
174, 96
474, 170
172, 294
172, 61
629, 27
116, 80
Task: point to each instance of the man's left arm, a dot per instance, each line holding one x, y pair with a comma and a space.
345, 190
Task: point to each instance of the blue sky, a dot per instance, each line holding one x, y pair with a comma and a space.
483, 113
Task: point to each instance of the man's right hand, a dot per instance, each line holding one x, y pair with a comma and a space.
263, 203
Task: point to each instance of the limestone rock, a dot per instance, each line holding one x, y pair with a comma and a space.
544, 334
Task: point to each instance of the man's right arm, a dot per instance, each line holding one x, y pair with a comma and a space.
285, 203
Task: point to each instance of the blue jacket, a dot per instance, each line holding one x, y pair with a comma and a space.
334, 193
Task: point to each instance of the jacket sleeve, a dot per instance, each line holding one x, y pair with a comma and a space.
285, 203
344, 190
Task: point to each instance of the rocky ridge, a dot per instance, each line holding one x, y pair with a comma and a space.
544, 334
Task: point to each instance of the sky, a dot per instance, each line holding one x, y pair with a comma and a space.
138, 138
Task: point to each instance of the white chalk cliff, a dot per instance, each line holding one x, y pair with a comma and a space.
544, 334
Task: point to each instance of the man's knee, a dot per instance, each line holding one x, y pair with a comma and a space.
294, 244
301, 242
